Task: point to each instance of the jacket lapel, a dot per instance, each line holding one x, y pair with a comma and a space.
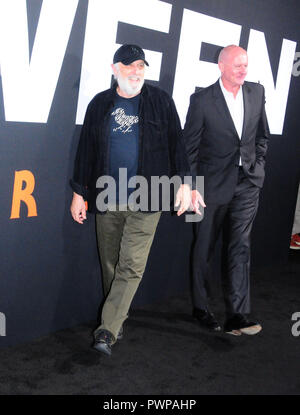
247, 106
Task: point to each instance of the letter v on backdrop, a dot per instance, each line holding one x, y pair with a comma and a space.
29, 84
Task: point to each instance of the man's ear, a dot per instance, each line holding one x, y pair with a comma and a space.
114, 69
221, 66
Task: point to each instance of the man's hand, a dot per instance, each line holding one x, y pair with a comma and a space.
197, 200
77, 208
183, 198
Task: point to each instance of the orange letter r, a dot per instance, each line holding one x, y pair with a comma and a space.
24, 195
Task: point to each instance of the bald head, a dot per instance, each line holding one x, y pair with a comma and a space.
233, 64
229, 51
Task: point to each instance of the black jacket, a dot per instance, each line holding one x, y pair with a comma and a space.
161, 149
214, 147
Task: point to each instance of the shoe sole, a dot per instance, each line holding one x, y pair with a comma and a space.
234, 332
103, 348
295, 247
252, 330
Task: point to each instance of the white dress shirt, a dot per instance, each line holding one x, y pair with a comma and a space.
236, 108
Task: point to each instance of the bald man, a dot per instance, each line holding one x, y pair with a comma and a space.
226, 136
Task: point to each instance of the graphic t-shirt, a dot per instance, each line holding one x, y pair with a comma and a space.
124, 141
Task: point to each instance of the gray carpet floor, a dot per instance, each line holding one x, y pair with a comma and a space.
164, 352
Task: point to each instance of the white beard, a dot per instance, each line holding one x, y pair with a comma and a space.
127, 87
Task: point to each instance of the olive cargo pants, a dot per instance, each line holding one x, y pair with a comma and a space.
124, 242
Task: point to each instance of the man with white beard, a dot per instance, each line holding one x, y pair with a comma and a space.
135, 127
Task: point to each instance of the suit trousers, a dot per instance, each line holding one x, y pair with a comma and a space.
235, 219
124, 242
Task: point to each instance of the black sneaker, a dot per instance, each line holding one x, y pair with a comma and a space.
238, 324
103, 341
206, 319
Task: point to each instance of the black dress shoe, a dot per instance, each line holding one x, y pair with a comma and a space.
103, 341
206, 319
238, 324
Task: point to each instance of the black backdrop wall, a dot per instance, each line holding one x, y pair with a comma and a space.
50, 275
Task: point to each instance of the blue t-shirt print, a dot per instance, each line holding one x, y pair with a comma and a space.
124, 140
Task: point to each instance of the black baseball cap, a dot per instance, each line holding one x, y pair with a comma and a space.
128, 54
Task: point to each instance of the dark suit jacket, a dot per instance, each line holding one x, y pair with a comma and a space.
214, 147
